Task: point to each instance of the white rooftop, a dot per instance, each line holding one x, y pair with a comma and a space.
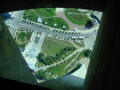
55, 24
64, 27
39, 20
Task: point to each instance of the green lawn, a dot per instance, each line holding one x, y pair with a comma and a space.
26, 12
21, 46
72, 10
85, 53
40, 12
47, 16
21, 36
30, 15
75, 10
51, 46
59, 70
79, 19
75, 64
82, 54
38, 64
56, 20
43, 74
46, 12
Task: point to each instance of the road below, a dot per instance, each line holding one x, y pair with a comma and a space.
16, 22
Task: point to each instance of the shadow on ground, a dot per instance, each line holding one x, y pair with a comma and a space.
6, 16
68, 82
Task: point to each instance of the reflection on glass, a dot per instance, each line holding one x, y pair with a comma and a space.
55, 42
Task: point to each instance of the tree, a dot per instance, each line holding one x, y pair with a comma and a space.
41, 57
88, 53
43, 74
89, 24
48, 60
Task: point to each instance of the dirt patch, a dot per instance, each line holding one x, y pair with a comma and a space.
71, 25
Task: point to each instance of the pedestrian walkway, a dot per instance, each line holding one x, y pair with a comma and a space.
70, 64
53, 65
33, 49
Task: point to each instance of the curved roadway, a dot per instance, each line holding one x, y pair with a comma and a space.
17, 22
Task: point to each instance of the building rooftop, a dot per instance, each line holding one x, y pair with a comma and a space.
55, 24
39, 20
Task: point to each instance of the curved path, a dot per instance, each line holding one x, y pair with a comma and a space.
19, 41
52, 65
72, 61
71, 25
74, 44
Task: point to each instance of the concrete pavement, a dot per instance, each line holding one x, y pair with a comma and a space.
33, 49
14, 22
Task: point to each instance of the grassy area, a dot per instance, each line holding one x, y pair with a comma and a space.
39, 64
21, 37
30, 15
47, 16
85, 53
26, 12
82, 54
46, 12
76, 63
56, 20
51, 46
21, 46
43, 74
59, 70
72, 10
75, 10
79, 19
